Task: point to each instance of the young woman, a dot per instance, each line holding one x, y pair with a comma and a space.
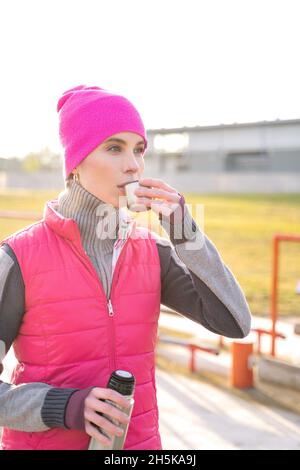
80, 295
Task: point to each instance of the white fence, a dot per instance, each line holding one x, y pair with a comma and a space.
195, 181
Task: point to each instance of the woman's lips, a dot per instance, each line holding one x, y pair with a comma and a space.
122, 189
121, 185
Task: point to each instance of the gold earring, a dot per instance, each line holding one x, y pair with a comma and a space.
76, 177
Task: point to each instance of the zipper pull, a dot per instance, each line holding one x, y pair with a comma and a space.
110, 308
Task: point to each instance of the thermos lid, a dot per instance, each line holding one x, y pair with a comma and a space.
122, 381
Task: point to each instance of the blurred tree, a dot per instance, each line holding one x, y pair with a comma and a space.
50, 160
31, 162
44, 160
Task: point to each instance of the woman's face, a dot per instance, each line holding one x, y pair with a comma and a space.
117, 160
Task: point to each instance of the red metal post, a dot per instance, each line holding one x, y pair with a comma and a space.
192, 361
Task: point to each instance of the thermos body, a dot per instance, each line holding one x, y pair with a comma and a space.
124, 383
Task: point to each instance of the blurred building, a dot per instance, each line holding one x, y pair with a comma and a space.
37, 170
249, 157
40, 180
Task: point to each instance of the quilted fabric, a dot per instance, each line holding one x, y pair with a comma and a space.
68, 337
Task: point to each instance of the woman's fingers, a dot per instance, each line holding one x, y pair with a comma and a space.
103, 423
95, 404
98, 412
157, 183
151, 188
109, 394
93, 432
159, 207
157, 193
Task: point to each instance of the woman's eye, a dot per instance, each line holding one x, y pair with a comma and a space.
139, 150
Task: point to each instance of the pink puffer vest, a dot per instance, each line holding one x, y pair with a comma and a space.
68, 338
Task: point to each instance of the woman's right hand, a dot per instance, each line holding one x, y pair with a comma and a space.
93, 405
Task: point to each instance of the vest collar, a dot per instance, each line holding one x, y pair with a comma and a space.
68, 228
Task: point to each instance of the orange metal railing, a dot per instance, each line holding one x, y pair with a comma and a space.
260, 332
191, 346
274, 296
263, 331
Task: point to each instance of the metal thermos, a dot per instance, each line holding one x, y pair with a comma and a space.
124, 383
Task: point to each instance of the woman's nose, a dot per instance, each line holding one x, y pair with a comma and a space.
130, 163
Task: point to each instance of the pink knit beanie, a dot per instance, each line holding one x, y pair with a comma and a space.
88, 116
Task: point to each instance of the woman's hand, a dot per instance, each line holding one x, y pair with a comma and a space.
93, 405
158, 195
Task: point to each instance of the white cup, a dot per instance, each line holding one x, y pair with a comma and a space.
132, 203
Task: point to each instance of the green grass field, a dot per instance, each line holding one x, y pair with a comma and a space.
241, 227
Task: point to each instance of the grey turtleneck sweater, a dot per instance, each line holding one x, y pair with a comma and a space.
195, 282
91, 213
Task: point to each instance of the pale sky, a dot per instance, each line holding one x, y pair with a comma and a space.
182, 63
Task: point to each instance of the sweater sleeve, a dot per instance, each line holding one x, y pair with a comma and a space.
197, 283
30, 407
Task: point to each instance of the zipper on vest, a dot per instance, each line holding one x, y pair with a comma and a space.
88, 263
111, 312
110, 308
112, 339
